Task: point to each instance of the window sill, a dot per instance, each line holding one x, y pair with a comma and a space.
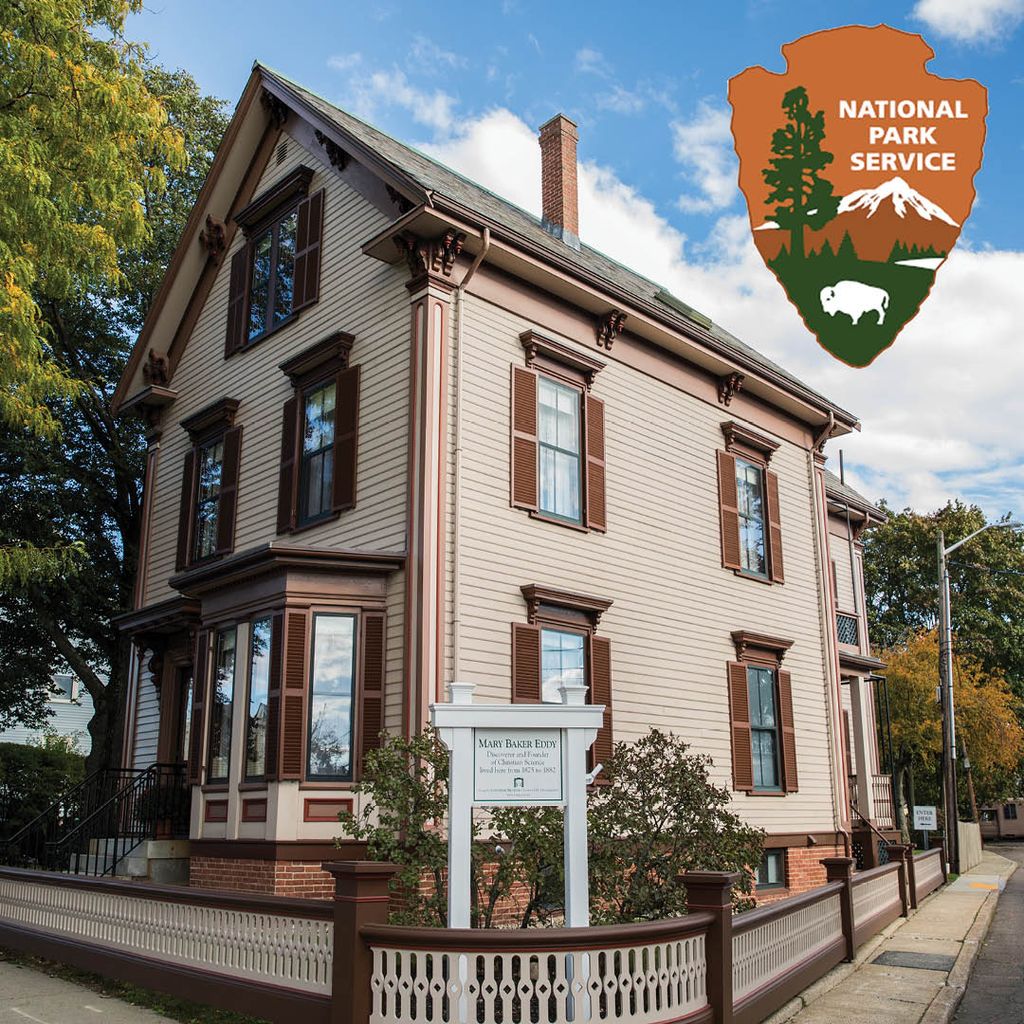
555, 521
766, 792
215, 787
313, 524
249, 345
756, 577
321, 786
252, 787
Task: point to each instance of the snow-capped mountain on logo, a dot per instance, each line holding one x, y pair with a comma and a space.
901, 195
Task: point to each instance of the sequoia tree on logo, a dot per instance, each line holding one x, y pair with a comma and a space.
857, 166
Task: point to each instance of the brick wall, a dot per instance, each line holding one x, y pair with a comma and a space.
803, 871
301, 879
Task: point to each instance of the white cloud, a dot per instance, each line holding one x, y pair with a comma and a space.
590, 61
431, 58
621, 101
344, 61
970, 21
941, 409
703, 145
368, 94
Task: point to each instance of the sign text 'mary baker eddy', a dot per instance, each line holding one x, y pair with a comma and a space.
527, 754
858, 169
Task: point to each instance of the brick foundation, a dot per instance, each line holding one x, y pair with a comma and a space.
300, 879
803, 871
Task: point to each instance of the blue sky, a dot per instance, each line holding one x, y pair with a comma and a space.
647, 84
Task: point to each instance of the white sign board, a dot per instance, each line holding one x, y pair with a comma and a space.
517, 766
925, 818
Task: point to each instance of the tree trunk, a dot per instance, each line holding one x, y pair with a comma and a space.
796, 242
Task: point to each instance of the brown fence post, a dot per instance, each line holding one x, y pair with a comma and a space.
911, 877
903, 855
710, 892
361, 896
940, 843
840, 869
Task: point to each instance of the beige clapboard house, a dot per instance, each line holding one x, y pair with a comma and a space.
401, 433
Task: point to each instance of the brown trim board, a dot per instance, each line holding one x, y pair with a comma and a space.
272, 849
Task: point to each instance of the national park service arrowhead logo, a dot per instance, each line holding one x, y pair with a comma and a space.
858, 169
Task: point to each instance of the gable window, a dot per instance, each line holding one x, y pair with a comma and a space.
1010, 812
331, 698
259, 686
748, 505
764, 726
319, 435
222, 698
276, 271
750, 509
209, 485
272, 281
316, 489
760, 701
558, 645
210, 458
64, 688
559, 441
557, 468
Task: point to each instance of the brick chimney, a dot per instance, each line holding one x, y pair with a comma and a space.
558, 138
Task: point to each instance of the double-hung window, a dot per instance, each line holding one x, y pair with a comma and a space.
316, 473
771, 872
764, 727
259, 685
562, 662
222, 699
751, 511
210, 467
559, 449
272, 280
557, 469
331, 698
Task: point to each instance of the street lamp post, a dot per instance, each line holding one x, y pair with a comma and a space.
949, 799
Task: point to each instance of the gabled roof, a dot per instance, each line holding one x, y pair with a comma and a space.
439, 183
427, 183
844, 494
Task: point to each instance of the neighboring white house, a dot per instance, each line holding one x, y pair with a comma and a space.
71, 710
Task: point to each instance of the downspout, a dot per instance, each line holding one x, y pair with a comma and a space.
457, 468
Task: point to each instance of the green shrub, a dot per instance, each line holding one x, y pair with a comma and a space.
32, 778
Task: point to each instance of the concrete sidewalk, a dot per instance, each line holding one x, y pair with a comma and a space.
30, 996
950, 924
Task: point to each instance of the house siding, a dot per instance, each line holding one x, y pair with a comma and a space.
674, 605
147, 717
359, 295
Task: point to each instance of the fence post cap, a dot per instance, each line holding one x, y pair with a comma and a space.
707, 889
838, 867
360, 868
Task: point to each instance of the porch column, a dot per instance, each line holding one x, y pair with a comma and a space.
430, 288
860, 723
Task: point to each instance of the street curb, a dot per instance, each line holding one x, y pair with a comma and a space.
943, 1007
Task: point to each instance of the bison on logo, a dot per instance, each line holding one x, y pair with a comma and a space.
858, 169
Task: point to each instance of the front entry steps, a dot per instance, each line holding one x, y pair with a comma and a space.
164, 861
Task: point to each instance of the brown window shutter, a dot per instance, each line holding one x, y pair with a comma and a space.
594, 410
186, 511
286, 487
293, 697
372, 699
789, 779
238, 304
200, 670
228, 501
601, 693
524, 438
739, 727
728, 511
525, 664
346, 438
771, 486
307, 250
274, 696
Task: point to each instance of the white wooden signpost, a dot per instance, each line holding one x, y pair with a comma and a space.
522, 754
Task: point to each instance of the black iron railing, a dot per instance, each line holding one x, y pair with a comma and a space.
94, 826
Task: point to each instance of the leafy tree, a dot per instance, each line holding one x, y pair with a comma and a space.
79, 488
83, 139
988, 728
31, 777
986, 585
804, 197
659, 815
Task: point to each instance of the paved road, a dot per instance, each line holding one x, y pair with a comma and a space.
28, 996
995, 993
